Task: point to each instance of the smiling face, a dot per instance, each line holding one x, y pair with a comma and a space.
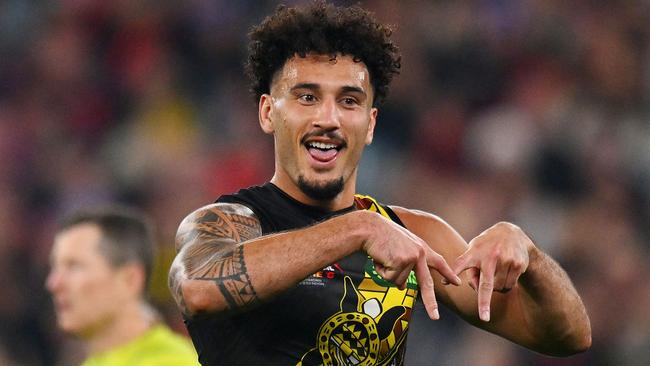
320, 113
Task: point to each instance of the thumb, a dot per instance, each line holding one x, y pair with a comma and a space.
463, 262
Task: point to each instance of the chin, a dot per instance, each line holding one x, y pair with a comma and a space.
321, 190
71, 325
68, 326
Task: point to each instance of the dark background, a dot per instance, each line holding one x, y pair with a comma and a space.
534, 111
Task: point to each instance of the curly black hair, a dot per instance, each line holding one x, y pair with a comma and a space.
323, 29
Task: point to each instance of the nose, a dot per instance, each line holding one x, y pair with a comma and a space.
329, 115
53, 281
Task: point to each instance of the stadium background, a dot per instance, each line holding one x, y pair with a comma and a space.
535, 111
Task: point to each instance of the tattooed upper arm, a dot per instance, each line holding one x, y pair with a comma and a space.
218, 221
210, 252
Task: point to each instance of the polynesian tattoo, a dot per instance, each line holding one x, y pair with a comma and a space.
209, 248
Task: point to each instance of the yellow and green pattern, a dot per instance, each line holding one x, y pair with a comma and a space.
373, 332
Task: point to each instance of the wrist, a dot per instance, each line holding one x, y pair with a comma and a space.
530, 247
533, 251
535, 256
363, 228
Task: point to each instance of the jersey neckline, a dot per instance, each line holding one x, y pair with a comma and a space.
305, 206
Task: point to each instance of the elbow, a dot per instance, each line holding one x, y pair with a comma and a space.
577, 342
583, 341
580, 341
571, 348
198, 297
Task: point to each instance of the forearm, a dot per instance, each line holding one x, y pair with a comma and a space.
240, 274
552, 308
279, 261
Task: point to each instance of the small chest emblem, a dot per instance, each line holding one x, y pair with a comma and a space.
321, 277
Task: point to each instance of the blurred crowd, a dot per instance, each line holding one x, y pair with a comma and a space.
532, 111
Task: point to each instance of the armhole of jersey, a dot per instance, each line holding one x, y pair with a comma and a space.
393, 216
263, 222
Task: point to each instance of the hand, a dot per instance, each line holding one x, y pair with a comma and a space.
396, 251
494, 260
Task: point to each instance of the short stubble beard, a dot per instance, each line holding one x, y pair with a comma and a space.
321, 191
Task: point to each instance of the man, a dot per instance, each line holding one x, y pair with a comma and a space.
101, 264
302, 271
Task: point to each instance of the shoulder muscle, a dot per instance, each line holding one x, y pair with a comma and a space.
228, 222
209, 245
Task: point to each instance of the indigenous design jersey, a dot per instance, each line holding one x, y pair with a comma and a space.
342, 315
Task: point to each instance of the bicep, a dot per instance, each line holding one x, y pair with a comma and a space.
218, 223
209, 245
212, 234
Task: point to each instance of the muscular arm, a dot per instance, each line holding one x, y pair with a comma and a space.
542, 311
552, 306
209, 249
225, 264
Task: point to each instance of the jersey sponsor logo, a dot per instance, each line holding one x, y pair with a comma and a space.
330, 272
319, 278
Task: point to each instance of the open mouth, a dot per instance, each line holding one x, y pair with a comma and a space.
323, 151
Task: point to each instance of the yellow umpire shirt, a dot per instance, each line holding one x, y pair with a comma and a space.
159, 346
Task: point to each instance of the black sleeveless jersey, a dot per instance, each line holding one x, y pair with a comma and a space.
344, 314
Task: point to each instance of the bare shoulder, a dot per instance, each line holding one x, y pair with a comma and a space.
229, 221
441, 236
417, 220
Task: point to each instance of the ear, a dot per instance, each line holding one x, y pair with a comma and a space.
132, 278
371, 125
265, 109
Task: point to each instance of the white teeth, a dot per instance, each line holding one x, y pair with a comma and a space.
321, 145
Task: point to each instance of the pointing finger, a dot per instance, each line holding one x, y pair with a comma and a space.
426, 288
485, 288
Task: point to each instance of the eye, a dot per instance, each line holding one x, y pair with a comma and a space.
307, 98
349, 101
74, 265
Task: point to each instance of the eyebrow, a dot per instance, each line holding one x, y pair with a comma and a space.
353, 89
314, 86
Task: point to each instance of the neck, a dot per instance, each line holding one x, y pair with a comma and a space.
132, 321
343, 200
